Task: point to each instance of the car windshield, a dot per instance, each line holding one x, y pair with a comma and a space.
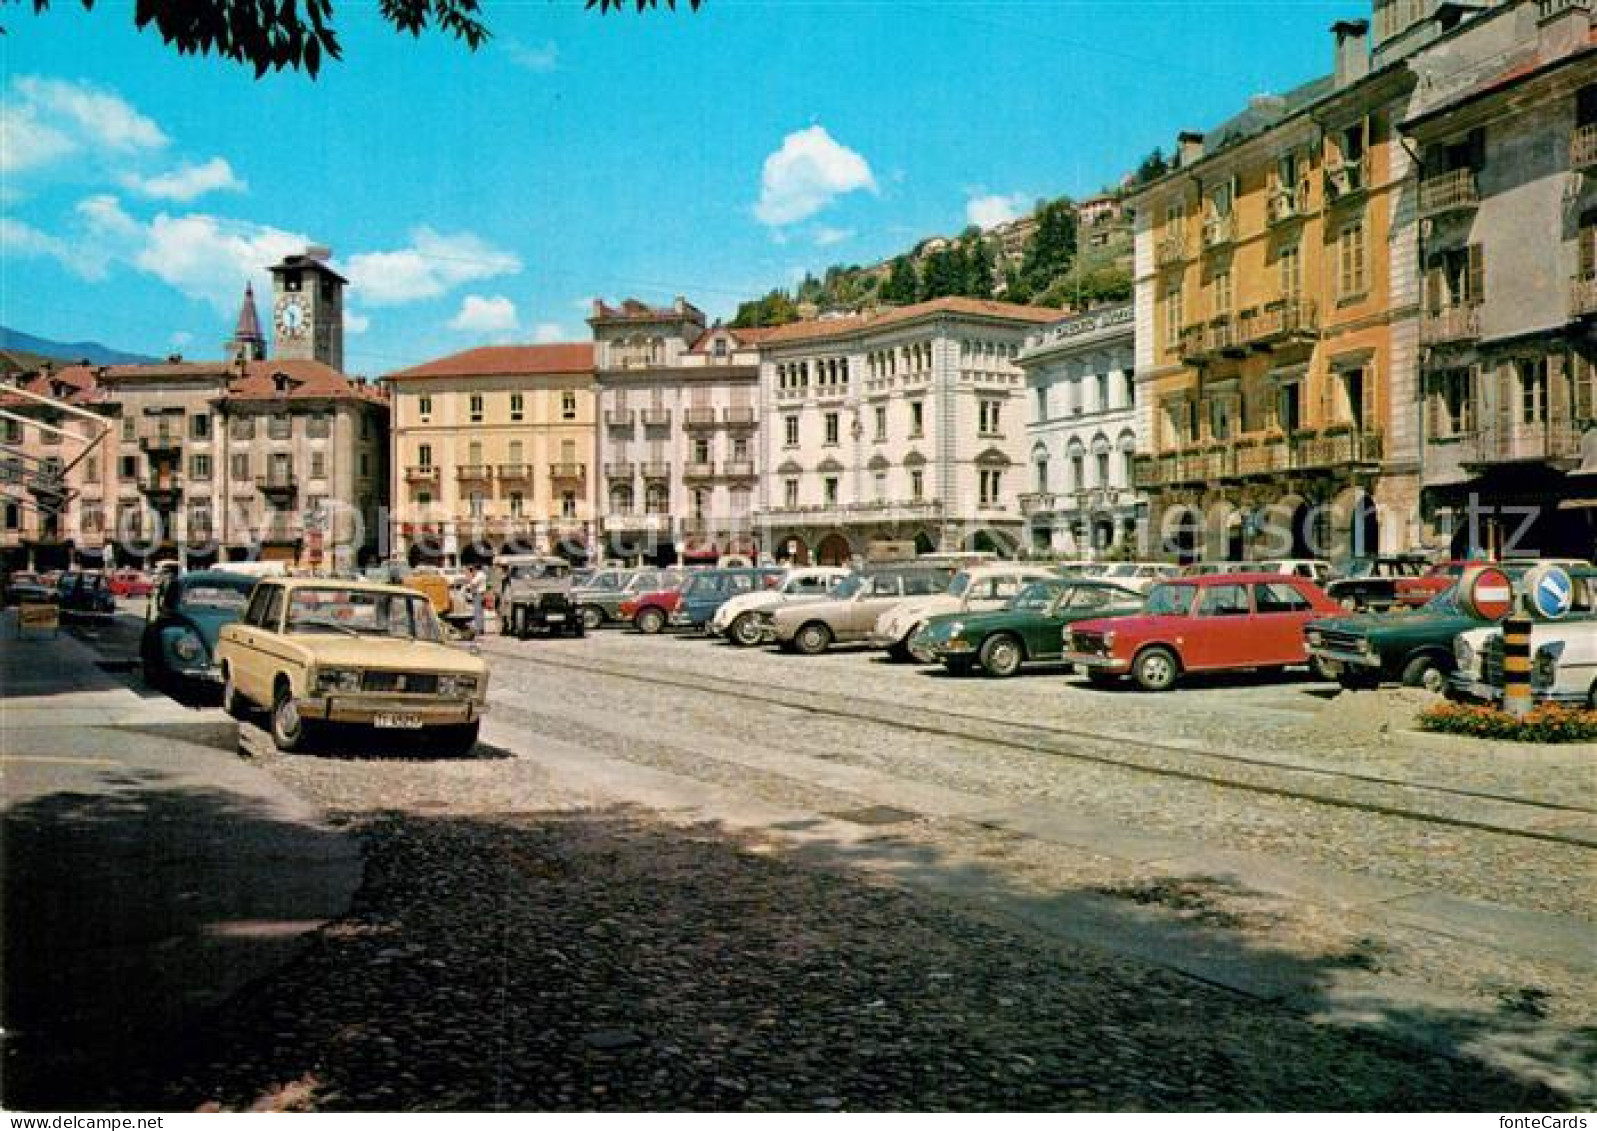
1444, 603
1168, 600
1120, 571
849, 586
960, 583
358, 612
218, 594
1038, 598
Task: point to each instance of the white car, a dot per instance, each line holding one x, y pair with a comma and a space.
738, 619
1314, 569
1563, 656
1140, 576
978, 589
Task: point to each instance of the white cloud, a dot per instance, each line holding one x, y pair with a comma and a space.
534, 58
825, 236
434, 264
210, 259
187, 181
485, 315
27, 242
806, 174
45, 121
547, 332
996, 208
355, 323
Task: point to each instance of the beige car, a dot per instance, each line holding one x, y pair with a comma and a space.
851, 612
975, 589
317, 651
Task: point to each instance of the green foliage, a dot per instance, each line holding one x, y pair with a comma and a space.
298, 34
776, 309
979, 269
1085, 286
1546, 723
902, 285
1052, 247
1152, 168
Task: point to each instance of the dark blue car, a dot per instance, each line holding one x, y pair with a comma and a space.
707, 590
189, 610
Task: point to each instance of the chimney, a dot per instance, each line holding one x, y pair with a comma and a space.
1352, 51
1189, 147
1561, 27
319, 252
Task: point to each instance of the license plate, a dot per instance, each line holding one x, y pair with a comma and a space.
555, 618
397, 722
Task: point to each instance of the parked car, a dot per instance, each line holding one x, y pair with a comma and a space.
1563, 655
537, 598
851, 612
600, 605
975, 589
83, 594
650, 610
130, 583
1371, 583
187, 617
1417, 591
1029, 629
1140, 576
1222, 622
27, 587
1413, 647
1314, 569
709, 589
314, 652
739, 619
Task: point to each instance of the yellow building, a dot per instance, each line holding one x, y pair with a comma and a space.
1266, 352
493, 451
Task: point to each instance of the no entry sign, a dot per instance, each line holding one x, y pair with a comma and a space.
1486, 592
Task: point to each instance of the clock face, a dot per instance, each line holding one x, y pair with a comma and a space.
292, 318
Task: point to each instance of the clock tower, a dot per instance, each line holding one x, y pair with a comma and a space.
308, 309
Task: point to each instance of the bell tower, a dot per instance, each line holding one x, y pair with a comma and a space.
308, 309
247, 342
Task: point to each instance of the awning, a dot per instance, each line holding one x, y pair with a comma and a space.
1576, 504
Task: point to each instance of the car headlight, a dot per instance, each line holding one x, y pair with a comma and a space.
1545, 669
1463, 655
1314, 638
1109, 639
457, 685
955, 629
331, 680
188, 647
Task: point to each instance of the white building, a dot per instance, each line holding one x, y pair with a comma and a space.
902, 425
679, 428
1082, 435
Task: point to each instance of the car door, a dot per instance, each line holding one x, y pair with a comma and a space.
250, 660
1217, 634
1280, 612
992, 592
878, 595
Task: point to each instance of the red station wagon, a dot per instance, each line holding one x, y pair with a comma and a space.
1222, 622
651, 612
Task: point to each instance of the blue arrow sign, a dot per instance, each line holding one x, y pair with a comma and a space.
1553, 593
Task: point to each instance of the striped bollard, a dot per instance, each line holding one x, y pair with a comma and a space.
1516, 666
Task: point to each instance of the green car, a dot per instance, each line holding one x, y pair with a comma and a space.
1414, 649
1030, 629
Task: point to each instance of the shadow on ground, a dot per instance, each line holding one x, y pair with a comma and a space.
602, 960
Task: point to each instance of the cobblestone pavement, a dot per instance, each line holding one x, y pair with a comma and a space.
880, 917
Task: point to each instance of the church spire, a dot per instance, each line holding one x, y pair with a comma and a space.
247, 342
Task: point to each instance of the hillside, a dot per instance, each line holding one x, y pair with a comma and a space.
15, 341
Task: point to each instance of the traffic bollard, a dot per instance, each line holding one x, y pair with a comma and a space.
1516, 666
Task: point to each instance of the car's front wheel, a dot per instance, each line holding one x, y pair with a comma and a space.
813, 639
1156, 669
1001, 656
745, 631
650, 621
288, 728
592, 617
1426, 672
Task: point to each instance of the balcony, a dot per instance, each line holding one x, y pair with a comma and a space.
619, 417
1583, 297
656, 417
1336, 447
1170, 251
568, 470
880, 510
698, 469
421, 473
739, 469
161, 489
1205, 341
474, 472
1345, 180
1290, 322
1537, 442
624, 470
1285, 205
281, 483
1218, 231
157, 442
1583, 147
1450, 324
739, 415
1453, 191
515, 472
1037, 502
699, 416
656, 469
1264, 455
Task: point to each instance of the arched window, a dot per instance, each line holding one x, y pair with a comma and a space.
621, 499
658, 500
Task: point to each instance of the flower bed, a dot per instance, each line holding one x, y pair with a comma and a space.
1547, 723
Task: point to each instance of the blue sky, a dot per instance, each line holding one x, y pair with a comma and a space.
488, 196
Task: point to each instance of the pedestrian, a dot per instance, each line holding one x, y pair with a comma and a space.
477, 590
